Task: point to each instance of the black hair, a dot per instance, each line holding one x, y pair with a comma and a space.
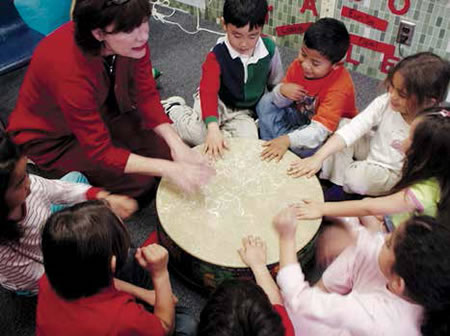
329, 37
426, 76
239, 308
245, 12
422, 259
92, 14
78, 244
10, 154
427, 156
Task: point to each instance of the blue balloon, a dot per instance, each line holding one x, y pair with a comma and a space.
44, 16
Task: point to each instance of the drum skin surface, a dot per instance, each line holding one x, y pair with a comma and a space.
203, 231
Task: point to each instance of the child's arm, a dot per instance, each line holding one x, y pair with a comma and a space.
140, 293
276, 70
215, 144
344, 136
395, 203
154, 258
253, 254
286, 226
310, 166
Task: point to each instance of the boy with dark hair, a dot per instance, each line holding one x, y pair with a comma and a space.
315, 94
235, 75
84, 247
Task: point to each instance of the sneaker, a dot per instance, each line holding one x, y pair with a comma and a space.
172, 101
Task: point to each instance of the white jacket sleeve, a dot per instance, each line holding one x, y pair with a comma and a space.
62, 192
364, 121
311, 136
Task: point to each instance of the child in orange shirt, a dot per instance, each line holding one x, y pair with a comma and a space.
317, 91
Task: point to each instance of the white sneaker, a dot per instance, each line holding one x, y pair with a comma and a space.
172, 101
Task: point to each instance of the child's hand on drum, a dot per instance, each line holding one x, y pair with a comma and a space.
285, 222
153, 258
308, 166
215, 144
123, 206
309, 209
275, 149
253, 252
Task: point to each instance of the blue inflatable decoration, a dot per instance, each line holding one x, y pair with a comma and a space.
17, 40
44, 16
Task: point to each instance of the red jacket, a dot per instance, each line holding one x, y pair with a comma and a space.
64, 93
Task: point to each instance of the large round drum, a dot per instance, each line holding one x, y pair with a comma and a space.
203, 231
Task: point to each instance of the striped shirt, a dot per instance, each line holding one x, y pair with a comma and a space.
21, 264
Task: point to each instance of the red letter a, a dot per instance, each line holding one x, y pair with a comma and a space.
310, 5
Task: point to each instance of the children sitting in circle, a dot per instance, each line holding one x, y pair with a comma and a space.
25, 202
397, 148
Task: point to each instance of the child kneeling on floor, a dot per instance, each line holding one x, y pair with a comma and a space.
83, 247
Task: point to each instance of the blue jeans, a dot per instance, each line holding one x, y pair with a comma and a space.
74, 177
274, 121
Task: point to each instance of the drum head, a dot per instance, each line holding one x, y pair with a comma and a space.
240, 200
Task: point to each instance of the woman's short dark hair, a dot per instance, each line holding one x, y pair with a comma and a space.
239, 308
422, 259
78, 244
92, 14
10, 154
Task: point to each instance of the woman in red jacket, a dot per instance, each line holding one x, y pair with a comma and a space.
89, 103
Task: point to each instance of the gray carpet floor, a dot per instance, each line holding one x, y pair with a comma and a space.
179, 57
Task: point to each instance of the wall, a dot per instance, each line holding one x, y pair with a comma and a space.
372, 24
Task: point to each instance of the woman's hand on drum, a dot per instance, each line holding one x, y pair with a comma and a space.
189, 177
180, 152
253, 252
153, 258
275, 149
215, 144
309, 209
309, 167
285, 222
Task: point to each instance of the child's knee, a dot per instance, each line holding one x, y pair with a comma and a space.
265, 105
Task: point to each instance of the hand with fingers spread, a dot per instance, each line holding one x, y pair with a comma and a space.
215, 144
275, 149
309, 167
253, 252
309, 209
292, 91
